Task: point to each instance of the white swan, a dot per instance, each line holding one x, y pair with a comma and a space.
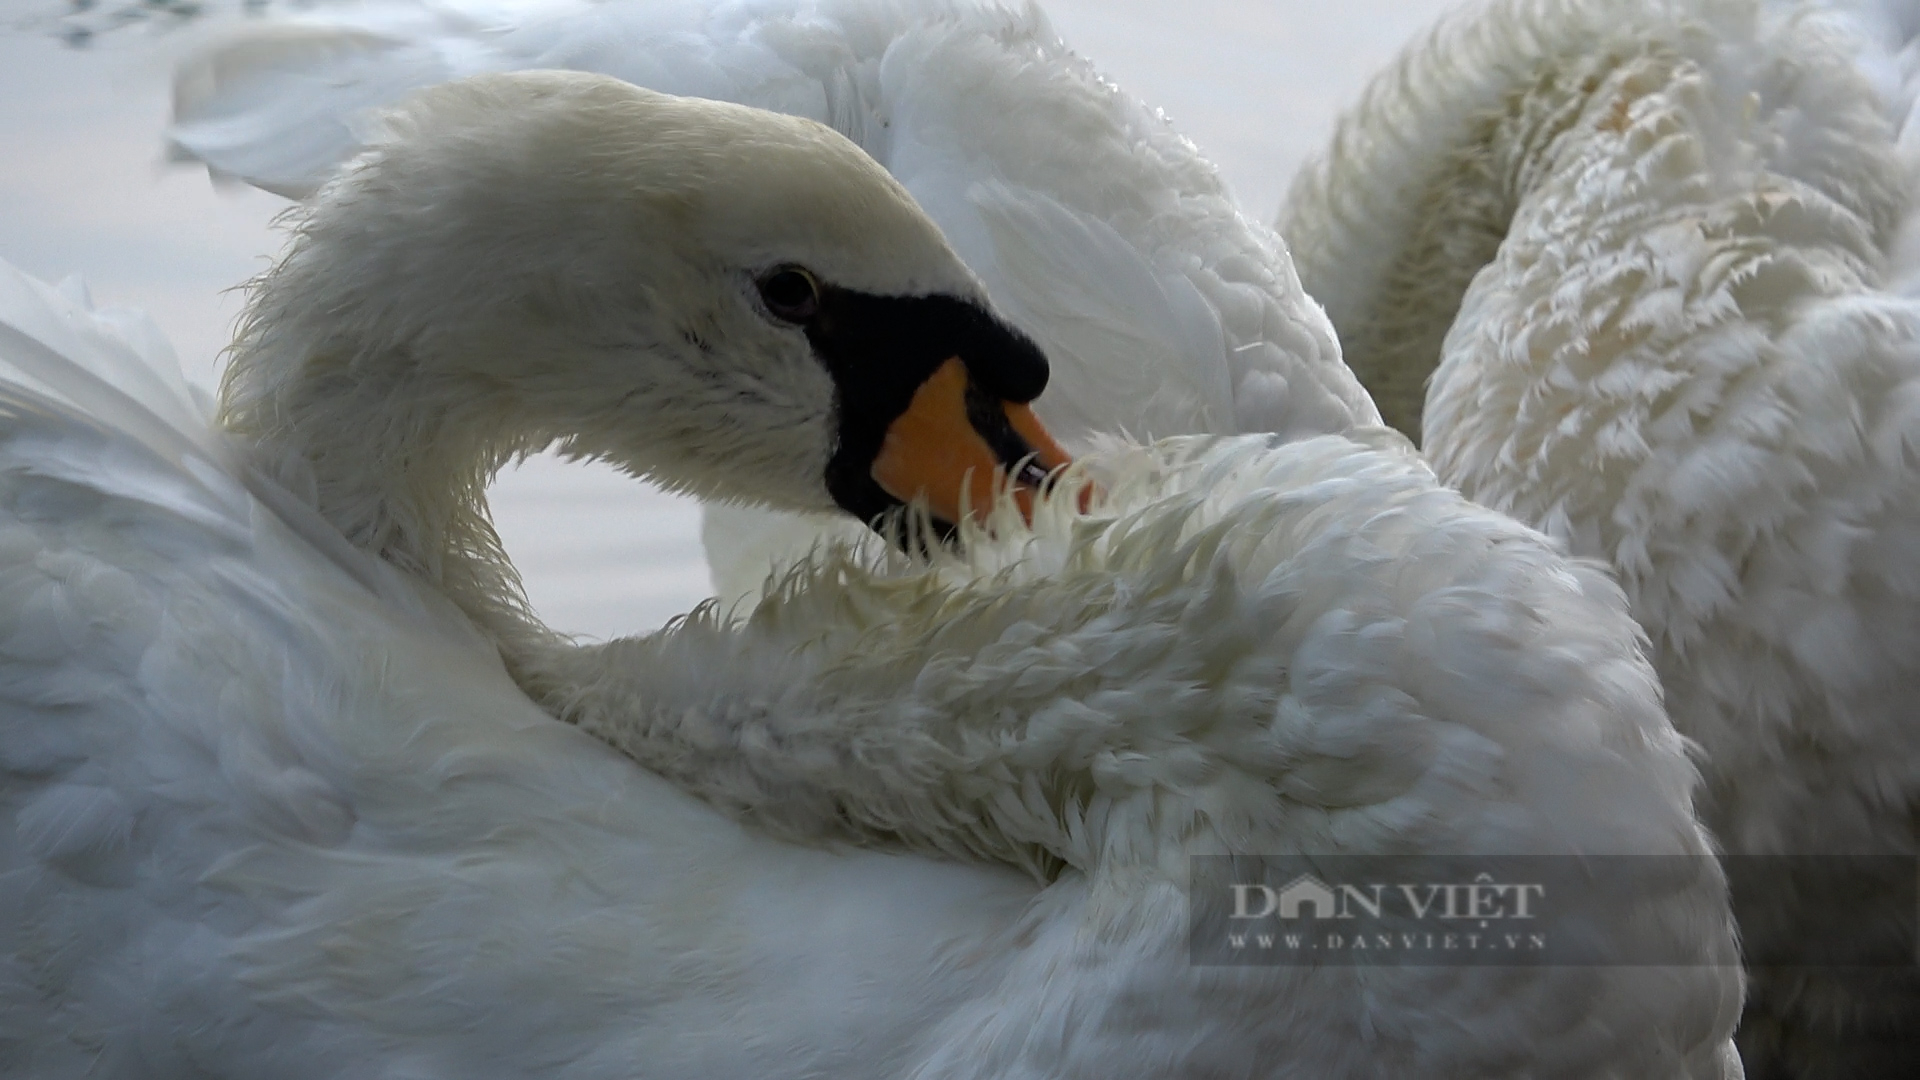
1095, 227
1650, 248
275, 807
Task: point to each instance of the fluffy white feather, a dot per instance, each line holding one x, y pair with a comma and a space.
1648, 255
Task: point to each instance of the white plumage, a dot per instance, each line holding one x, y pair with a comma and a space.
277, 807
1656, 252
1093, 224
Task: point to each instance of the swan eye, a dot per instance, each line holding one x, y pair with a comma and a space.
791, 294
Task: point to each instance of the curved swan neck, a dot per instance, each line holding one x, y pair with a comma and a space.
1526, 119
399, 469
1672, 233
1422, 181
1465, 210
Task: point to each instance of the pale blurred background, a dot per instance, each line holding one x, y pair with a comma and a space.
84, 188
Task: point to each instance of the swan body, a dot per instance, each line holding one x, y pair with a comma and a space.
1094, 226
1650, 258
278, 804
356, 875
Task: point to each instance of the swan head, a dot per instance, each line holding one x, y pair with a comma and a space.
727, 301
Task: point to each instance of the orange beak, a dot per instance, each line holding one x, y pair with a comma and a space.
934, 450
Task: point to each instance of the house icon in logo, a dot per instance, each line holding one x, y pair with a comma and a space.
1309, 892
